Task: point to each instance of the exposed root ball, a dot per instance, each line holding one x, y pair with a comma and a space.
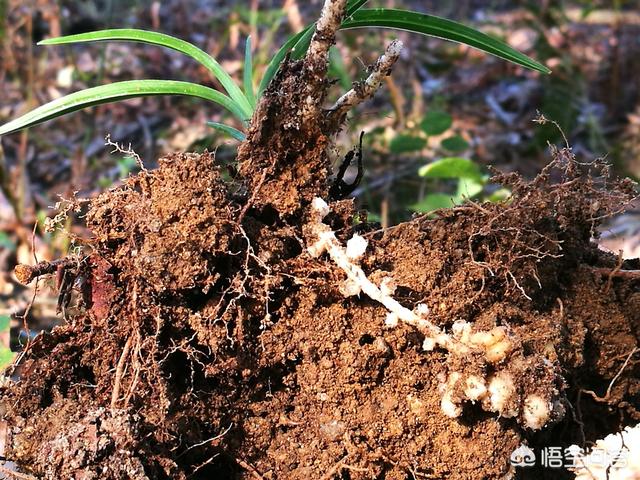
221, 339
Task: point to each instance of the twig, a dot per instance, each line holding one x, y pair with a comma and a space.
335, 469
252, 471
316, 61
21, 476
613, 272
608, 394
119, 369
26, 273
365, 90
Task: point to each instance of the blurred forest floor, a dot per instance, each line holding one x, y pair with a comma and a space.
593, 49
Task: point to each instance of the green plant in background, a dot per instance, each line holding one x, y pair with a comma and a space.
240, 102
462, 173
6, 355
469, 182
468, 179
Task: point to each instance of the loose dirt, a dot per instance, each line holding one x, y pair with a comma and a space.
213, 345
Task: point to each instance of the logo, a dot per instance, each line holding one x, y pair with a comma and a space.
522, 456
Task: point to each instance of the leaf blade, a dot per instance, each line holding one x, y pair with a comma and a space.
452, 167
442, 28
114, 92
247, 74
163, 40
229, 130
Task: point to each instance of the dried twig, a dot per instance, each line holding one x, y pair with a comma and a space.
11, 474
252, 471
613, 272
316, 60
26, 273
115, 394
607, 395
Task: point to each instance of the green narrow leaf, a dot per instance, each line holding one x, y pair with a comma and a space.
436, 122
247, 74
337, 68
160, 39
298, 45
441, 28
115, 92
235, 133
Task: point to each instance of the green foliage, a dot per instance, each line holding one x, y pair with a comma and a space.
436, 122
114, 92
232, 132
455, 144
442, 28
240, 103
160, 39
6, 355
468, 178
406, 143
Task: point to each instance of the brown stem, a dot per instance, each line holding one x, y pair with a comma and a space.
365, 90
316, 61
325, 35
26, 273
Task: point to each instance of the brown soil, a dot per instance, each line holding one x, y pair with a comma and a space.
214, 346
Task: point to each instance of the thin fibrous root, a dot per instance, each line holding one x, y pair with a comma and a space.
362, 91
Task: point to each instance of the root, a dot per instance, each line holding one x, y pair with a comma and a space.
27, 273
607, 395
115, 394
495, 345
498, 392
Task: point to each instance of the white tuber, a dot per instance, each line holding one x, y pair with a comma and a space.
356, 246
388, 287
326, 241
536, 412
391, 320
502, 391
475, 388
447, 405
